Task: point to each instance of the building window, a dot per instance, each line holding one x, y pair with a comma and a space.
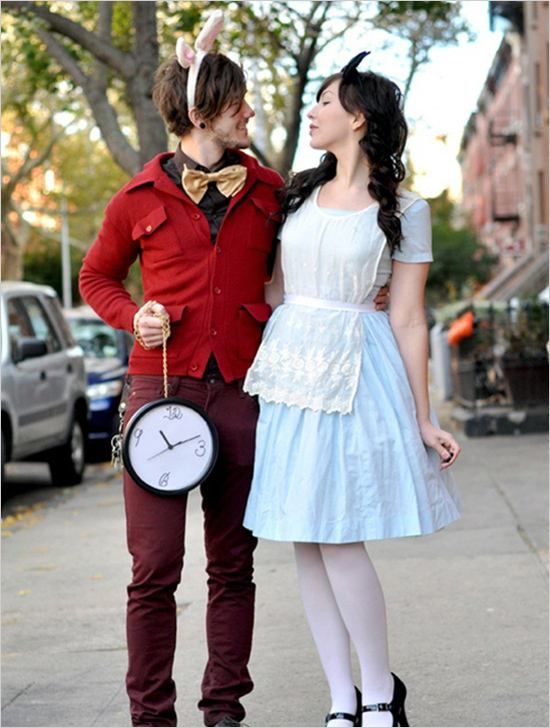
542, 198
538, 87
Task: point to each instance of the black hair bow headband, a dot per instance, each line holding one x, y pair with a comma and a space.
349, 71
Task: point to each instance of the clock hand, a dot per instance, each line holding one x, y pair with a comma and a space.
165, 440
160, 453
171, 447
181, 442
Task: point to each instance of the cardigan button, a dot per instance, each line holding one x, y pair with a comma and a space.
196, 216
194, 367
217, 291
218, 249
213, 332
148, 228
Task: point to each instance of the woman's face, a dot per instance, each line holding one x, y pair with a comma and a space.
330, 123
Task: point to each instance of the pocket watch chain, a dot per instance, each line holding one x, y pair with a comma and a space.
116, 440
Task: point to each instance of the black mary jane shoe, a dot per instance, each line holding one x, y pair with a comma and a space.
355, 720
397, 705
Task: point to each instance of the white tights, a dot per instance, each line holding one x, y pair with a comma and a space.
343, 600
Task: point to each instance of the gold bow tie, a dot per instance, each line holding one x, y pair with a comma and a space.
229, 181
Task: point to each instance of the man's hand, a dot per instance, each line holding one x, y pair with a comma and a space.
148, 324
382, 298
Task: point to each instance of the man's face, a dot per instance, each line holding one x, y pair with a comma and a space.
230, 127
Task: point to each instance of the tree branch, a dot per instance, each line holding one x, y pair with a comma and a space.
97, 46
321, 47
106, 117
29, 163
63, 57
104, 25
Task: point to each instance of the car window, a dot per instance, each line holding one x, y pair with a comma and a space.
97, 339
40, 323
18, 322
56, 313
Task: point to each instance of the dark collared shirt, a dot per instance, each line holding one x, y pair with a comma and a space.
213, 204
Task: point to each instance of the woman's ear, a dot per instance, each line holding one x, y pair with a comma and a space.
358, 121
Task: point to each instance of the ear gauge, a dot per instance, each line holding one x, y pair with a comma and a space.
202, 125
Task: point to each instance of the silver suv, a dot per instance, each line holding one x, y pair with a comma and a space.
44, 405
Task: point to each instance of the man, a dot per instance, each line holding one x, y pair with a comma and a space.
204, 256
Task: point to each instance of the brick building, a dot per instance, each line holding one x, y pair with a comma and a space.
504, 154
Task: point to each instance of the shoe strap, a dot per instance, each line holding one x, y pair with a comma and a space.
340, 716
375, 707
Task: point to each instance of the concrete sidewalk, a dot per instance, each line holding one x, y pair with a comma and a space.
468, 609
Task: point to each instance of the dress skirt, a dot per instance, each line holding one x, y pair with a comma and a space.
340, 478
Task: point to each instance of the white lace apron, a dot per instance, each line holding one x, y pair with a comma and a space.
310, 355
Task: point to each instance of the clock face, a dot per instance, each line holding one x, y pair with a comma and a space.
170, 446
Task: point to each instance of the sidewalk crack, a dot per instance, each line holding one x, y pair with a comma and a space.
17, 695
520, 529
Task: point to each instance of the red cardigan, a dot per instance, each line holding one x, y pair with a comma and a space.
214, 294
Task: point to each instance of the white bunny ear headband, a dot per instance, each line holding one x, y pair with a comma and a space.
192, 59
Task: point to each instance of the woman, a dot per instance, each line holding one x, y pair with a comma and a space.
346, 447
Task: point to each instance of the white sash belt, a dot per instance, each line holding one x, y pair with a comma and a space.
325, 303
310, 358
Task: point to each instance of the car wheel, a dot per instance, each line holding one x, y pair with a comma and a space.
98, 451
67, 462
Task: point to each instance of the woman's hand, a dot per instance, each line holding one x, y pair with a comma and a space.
382, 298
442, 442
148, 324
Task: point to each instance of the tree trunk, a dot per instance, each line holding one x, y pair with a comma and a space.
12, 254
292, 126
152, 137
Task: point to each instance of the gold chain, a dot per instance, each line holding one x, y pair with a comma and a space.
165, 321
116, 440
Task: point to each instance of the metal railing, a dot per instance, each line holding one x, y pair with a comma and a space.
505, 361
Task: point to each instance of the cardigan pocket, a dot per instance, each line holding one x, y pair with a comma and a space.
251, 322
148, 225
157, 236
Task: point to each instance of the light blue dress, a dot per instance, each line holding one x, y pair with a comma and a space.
339, 457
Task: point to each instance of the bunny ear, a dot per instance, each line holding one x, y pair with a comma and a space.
209, 32
184, 53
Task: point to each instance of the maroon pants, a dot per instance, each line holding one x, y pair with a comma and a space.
156, 536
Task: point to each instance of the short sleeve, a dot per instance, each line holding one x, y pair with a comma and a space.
416, 227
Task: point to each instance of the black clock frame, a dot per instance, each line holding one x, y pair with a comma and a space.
138, 414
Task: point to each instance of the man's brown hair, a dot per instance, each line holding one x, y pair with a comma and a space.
220, 84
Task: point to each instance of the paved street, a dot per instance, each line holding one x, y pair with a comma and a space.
468, 608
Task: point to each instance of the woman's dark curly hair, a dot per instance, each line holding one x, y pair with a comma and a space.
380, 100
220, 83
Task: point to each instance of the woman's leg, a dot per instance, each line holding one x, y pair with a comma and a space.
329, 632
360, 601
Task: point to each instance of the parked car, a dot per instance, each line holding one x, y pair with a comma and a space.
106, 352
44, 403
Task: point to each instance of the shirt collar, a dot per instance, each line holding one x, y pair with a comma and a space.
154, 174
180, 158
